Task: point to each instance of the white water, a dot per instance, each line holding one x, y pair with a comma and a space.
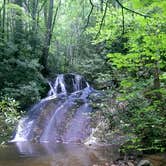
59, 117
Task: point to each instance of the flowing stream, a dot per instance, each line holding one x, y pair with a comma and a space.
63, 116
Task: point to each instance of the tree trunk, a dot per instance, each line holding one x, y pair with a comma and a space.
3, 18
34, 25
47, 40
156, 74
2, 24
18, 33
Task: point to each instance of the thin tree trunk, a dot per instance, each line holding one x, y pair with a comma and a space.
18, 26
156, 74
47, 39
34, 25
8, 24
49, 21
156, 80
3, 19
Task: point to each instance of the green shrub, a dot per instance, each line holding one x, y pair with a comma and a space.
9, 116
146, 119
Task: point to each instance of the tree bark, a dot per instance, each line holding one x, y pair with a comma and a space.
47, 40
2, 24
34, 25
3, 19
49, 21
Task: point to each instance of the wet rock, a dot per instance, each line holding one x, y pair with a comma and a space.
144, 163
72, 79
78, 141
106, 164
93, 157
129, 163
121, 163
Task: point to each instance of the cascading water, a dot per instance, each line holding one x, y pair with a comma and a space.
62, 116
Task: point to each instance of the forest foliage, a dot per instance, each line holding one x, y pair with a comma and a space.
118, 45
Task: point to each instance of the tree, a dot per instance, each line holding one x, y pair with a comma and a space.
50, 23
2, 23
18, 27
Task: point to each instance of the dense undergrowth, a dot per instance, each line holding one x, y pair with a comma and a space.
139, 119
10, 113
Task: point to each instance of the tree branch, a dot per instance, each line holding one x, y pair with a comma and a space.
27, 6
88, 19
37, 4
130, 10
102, 21
38, 13
42, 6
55, 16
1, 8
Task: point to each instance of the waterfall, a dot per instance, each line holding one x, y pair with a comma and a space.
62, 116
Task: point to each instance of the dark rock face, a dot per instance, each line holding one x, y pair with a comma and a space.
74, 82
67, 84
